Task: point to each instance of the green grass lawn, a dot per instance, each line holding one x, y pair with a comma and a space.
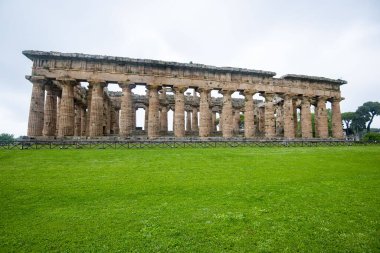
191, 200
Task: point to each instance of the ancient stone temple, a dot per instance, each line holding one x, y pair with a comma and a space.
293, 106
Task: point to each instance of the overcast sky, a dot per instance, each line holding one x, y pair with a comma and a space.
335, 39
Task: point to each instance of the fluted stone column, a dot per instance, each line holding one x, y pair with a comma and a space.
227, 114
83, 120
249, 123
89, 98
306, 127
179, 114
77, 120
188, 121
58, 113
50, 112
279, 119
213, 121
270, 131
337, 129
220, 122
295, 117
134, 117
36, 109
194, 120
96, 116
237, 121
289, 132
107, 112
126, 110
67, 113
146, 117
164, 119
262, 120
116, 128
153, 115
204, 113
322, 118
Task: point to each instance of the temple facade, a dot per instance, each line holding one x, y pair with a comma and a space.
293, 106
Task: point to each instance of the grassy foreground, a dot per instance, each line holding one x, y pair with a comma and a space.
191, 200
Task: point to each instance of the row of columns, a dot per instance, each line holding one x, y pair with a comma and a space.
62, 114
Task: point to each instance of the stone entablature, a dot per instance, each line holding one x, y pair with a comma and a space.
94, 112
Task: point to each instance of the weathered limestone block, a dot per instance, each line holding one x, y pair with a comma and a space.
295, 117
227, 120
269, 116
153, 113
262, 120
96, 116
289, 131
279, 119
204, 113
322, 118
179, 114
36, 109
249, 124
306, 127
126, 111
50, 113
58, 113
337, 129
67, 113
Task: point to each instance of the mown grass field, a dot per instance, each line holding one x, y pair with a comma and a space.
191, 200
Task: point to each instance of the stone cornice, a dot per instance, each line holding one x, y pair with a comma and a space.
32, 55
313, 79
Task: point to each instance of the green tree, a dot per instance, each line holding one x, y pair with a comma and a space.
347, 118
6, 137
368, 111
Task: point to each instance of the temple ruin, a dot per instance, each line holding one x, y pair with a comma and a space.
61, 108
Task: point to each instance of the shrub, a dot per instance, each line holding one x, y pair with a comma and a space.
372, 137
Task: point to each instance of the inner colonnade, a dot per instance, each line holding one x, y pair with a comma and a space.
61, 108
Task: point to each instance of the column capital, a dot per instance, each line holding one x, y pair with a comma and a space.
153, 87
226, 92
336, 99
179, 89
37, 79
207, 90
322, 98
267, 95
95, 82
128, 85
248, 93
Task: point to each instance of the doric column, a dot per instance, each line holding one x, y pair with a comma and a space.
107, 114
83, 120
36, 109
204, 113
89, 97
220, 122
288, 117
116, 128
188, 121
249, 123
179, 113
126, 110
213, 121
134, 109
194, 120
153, 115
96, 114
295, 117
322, 118
262, 120
279, 119
306, 128
146, 117
227, 119
58, 112
164, 119
337, 129
236, 126
77, 119
50, 117
270, 131
67, 113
